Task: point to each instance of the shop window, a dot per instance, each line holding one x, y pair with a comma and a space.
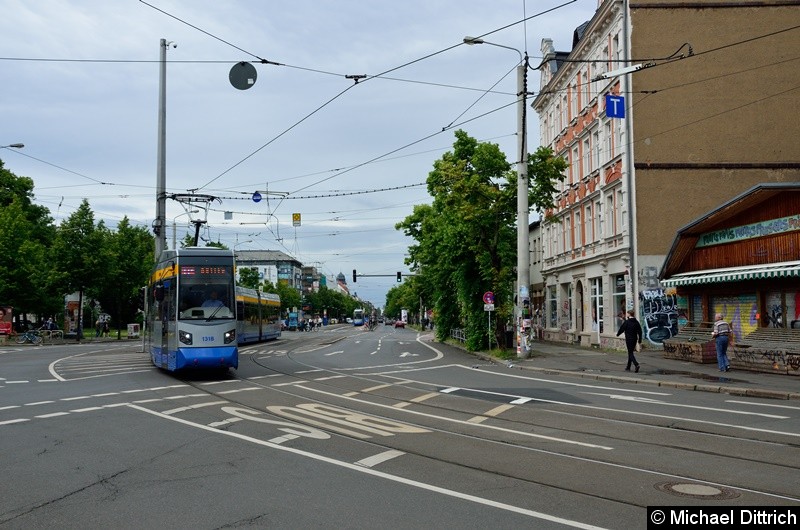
552, 303
597, 304
618, 298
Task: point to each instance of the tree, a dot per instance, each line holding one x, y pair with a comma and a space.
466, 239
248, 277
77, 254
129, 257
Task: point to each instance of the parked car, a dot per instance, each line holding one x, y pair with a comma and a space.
400, 324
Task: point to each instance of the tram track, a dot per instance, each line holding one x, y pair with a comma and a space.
332, 388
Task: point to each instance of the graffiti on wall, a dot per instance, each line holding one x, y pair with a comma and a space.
659, 315
741, 312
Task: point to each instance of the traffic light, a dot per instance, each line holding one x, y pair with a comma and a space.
399, 277
354, 276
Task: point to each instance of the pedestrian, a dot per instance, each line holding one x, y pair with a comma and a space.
98, 327
633, 338
721, 335
105, 328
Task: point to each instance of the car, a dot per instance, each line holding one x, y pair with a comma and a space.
400, 324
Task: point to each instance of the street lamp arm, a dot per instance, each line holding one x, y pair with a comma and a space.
15, 146
476, 40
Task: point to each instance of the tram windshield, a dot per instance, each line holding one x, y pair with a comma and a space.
206, 290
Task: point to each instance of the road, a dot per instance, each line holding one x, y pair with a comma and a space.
351, 429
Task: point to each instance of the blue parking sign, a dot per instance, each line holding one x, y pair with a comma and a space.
615, 106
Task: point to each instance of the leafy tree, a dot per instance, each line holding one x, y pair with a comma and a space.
129, 254
77, 254
466, 239
248, 277
26, 234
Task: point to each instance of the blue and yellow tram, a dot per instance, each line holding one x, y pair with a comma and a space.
191, 310
257, 316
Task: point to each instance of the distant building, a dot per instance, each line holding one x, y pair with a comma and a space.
273, 265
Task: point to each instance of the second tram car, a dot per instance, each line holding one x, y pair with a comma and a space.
257, 316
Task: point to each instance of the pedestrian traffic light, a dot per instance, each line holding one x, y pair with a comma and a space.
399, 277
354, 276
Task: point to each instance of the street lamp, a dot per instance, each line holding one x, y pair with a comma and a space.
15, 146
523, 245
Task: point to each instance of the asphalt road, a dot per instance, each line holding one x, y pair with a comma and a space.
351, 429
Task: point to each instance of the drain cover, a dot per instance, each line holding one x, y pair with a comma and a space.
697, 491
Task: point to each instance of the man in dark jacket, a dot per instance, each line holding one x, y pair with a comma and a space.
633, 336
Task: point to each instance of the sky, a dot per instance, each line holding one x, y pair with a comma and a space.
80, 88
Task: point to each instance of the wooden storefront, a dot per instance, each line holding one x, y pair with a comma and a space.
741, 260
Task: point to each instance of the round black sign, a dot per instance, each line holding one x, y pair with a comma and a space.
243, 75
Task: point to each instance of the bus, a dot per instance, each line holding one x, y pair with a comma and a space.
191, 310
358, 317
257, 316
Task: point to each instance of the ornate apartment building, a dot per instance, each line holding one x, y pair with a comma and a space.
707, 115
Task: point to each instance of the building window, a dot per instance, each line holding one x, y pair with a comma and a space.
618, 211
610, 229
598, 218
575, 166
608, 133
588, 219
618, 298
597, 304
587, 97
567, 232
578, 235
597, 146
565, 315
552, 304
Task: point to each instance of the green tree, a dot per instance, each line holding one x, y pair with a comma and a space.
248, 277
77, 257
129, 256
26, 234
466, 239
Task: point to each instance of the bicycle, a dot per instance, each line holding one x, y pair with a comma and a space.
31, 336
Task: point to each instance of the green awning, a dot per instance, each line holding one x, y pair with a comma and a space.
734, 274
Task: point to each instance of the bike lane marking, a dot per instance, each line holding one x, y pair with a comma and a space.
380, 474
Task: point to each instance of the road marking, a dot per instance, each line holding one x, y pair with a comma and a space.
249, 389
380, 458
379, 387
38, 403
334, 352
380, 474
9, 422
290, 384
424, 397
191, 407
762, 404
331, 377
679, 405
498, 410
52, 415
464, 422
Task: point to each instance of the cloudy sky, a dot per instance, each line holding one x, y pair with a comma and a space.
80, 84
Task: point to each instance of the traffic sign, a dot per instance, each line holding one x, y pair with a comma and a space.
488, 297
488, 307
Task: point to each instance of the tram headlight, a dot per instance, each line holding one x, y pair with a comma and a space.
185, 337
230, 336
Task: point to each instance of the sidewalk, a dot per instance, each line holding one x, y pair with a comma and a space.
598, 365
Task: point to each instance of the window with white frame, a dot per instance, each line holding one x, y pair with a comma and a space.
578, 228
567, 222
610, 229
559, 120
587, 97
609, 138
597, 304
575, 166
587, 222
618, 298
552, 306
598, 218
573, 107
587, 156
618, 211
597, 147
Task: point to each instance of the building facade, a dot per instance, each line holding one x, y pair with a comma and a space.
273, 265
704, 119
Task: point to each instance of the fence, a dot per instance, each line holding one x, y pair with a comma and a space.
458, 334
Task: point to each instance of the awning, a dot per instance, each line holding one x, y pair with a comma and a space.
734, 274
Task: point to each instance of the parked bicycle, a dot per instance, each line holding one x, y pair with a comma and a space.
51, 335
31, 336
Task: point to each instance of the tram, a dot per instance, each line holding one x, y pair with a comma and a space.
191, 310
257, 316
358, 317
